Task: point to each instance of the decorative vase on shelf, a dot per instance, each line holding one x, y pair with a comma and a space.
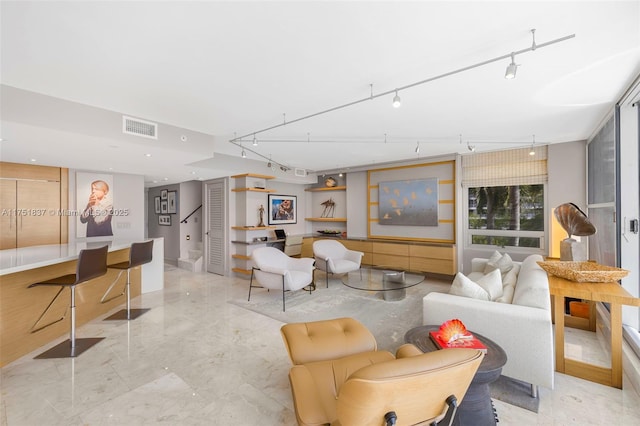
330, 182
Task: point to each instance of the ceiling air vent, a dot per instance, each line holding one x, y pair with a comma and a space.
137, 127
300, 172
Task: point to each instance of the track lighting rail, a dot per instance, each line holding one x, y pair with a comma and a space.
238, 140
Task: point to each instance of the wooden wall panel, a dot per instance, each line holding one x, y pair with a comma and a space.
20, 306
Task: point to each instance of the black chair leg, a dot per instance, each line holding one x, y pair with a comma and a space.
452, 404
390, 418
283, 293
250, 285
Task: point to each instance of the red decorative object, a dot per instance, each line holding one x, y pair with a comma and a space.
454, 334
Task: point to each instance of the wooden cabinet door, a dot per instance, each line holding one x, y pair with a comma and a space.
38, 208
8, 221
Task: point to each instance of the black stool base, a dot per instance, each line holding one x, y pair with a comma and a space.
122, 315
63, 350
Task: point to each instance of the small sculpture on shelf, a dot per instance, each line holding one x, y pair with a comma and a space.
329, 207
261, 213
575, 222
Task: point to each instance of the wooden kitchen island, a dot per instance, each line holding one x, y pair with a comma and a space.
26, 322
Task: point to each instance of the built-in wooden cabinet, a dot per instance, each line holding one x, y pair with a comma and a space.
8, 220
250, 193
390, 254
411, 256
33, 200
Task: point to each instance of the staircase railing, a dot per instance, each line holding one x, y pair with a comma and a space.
191, 214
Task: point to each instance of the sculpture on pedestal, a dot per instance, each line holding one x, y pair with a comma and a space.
261, 212
575, 222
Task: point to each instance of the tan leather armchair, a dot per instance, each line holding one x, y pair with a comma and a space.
340, 378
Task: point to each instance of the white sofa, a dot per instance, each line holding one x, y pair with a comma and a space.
522, 328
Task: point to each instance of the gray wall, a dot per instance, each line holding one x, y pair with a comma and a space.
190, 197
171, 234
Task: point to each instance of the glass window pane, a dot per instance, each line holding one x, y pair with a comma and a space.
507, 207
603, 249
602, 165
503, 241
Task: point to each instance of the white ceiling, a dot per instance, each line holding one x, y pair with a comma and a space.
211, 70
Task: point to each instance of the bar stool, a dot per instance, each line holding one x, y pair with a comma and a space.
139, 254
92, 263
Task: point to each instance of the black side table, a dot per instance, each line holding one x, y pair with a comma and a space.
476, 408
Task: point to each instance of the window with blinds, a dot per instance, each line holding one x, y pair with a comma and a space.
505, 198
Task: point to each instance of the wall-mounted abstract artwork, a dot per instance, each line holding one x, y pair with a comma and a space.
408, 202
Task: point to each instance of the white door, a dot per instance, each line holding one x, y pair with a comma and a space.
216, 226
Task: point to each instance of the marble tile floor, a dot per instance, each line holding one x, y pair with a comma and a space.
196, 360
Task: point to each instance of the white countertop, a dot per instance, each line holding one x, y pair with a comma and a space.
25, 258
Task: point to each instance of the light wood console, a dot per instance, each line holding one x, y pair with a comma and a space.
412, 256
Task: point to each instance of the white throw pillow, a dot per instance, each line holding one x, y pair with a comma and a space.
511, 277
504, 263
463, 286
492, 284
493, 259
507, 294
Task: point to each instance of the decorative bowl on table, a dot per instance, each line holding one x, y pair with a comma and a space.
584, 272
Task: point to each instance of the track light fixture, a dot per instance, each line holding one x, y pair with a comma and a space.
255, 141
512, 68
532, 151
397, 102
470, 147
243, 154
417, 148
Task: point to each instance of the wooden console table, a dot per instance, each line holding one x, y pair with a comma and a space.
611, 293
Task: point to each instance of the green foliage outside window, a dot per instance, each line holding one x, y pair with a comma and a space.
514, 208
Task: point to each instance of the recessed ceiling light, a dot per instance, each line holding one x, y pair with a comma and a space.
193, 173
33, 160
147, 155
166, 178
155, 181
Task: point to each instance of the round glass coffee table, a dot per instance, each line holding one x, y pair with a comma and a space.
391, 281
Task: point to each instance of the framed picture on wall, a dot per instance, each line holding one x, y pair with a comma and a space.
164, 206
408, 202
172, 201
157, 202
282, 209
94, 204
164, 220
163, 194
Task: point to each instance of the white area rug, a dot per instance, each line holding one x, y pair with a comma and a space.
387, 320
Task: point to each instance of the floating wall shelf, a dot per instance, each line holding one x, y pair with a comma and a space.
335, 188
